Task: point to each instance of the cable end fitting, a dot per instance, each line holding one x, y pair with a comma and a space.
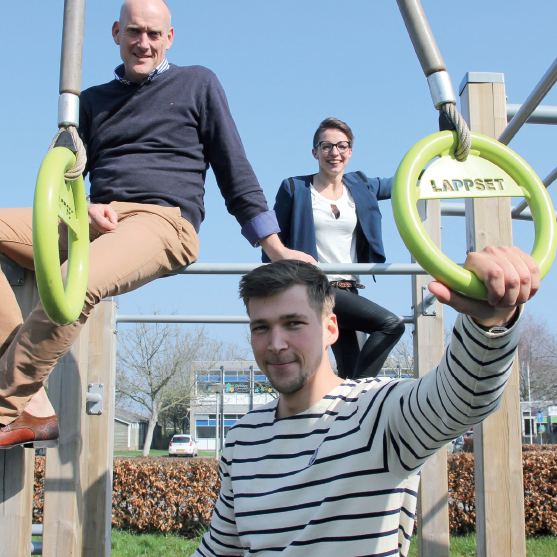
68, 110
441, 89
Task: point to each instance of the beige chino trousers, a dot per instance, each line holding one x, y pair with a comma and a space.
150, 241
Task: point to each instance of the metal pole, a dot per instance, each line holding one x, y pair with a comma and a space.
328, 268
217, 425
71, 63
72, 47
251, 388
544, 114
529, 402
521, 206
421, 36
535, 98
221, 430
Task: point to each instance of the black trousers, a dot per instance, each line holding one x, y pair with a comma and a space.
356, 313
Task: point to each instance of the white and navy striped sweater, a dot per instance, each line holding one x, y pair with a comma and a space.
341, 478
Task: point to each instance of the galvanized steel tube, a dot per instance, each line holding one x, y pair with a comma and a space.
535, 98
543, 114
353, 268
421, 36
519, 210
72, 47
218, 319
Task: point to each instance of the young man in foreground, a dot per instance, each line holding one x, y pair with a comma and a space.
331, 467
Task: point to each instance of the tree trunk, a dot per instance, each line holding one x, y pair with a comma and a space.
150, 431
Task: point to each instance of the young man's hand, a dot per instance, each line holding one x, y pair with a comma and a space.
102, 217
511, 276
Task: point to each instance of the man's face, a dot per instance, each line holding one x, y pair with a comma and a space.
144, 35
289, 339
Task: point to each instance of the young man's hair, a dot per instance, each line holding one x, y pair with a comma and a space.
333, 124
279, 276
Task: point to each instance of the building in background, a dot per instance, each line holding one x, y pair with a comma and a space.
224, 392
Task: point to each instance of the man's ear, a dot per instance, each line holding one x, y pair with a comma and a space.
170, 37
330, 329
116, 32
314, 153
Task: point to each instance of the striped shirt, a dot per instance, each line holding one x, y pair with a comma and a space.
120, 71
342, 477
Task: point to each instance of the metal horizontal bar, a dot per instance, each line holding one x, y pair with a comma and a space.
535, 98
449, 209
37, 529
352, 268
552, 176
243, 319
36, 548
544, 114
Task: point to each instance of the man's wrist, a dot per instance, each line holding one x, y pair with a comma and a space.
272, 246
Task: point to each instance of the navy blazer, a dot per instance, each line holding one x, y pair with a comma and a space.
295, 215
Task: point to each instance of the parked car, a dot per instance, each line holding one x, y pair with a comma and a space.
458, 443
183, 445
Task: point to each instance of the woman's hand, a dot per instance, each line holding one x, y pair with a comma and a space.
102, 217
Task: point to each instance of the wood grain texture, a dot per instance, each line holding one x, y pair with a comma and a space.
497, 442
17, 465
433, 511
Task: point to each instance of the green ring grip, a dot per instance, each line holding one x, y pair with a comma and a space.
57, 199
410, 185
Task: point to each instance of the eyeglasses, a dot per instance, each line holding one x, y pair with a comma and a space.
326, 146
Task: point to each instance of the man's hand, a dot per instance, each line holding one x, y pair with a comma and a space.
511, 276
276, 250
102, 217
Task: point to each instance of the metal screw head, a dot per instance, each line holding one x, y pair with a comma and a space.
100, 412
434, 313
90, 411
90, 385
20, 281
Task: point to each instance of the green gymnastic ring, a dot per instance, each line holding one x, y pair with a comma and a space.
57, 199
409, 186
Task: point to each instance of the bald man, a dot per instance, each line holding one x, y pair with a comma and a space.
151, 134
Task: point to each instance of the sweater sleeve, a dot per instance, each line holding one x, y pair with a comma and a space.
283, 211
466, 387
222, 537
225, 153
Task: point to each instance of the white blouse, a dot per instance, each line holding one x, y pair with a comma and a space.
335, 223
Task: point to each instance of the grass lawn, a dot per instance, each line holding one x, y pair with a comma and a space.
170, 545
158, 452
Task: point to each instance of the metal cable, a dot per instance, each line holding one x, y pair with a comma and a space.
464, 139
81, 156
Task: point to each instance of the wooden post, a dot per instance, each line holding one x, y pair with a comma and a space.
17, 465
97, 487
433, 510
497, 442
66, 466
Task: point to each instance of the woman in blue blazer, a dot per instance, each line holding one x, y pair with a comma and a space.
334, 217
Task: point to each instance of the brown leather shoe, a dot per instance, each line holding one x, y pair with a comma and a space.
31, 432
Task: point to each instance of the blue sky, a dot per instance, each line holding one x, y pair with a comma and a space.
286, 66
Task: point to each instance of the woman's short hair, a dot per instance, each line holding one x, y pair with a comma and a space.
279, 276
333, 124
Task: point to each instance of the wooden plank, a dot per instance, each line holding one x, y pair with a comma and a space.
97, 487
66, 465
497, 442
433, 510
17, 465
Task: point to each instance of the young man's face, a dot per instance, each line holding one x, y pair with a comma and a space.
144, 35
289, 339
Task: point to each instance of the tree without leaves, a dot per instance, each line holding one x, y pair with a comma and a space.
537, 351
155, 367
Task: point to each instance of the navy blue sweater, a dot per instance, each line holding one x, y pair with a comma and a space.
153, 143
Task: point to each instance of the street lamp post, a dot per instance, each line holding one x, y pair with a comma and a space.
217, 389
